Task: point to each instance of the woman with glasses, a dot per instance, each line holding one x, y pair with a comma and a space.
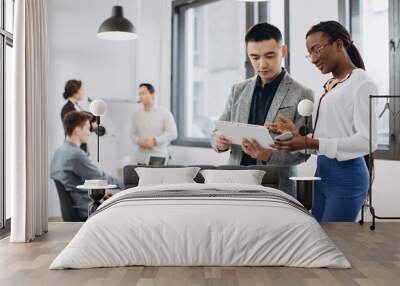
341, 125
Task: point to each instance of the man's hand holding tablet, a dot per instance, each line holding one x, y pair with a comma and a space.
234, 132
255, 140
252, 148
223, 144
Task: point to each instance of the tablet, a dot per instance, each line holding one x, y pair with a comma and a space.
235, 132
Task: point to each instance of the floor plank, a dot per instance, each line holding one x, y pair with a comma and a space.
375, 257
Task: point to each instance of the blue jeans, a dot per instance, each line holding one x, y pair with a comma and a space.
342, 190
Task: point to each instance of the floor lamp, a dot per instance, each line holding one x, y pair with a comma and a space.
305, 185
305, 109
98, 108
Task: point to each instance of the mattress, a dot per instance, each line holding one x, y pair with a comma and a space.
201, 225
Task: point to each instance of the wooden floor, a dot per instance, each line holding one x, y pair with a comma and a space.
375, 257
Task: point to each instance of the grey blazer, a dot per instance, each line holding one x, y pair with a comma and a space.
287, 96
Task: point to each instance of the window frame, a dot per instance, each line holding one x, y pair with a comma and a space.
255, 12
6, 39
392, 151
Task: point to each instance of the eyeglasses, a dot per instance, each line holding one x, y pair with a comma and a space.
316, 52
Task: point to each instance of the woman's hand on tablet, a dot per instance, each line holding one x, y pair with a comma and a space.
297, 143
252, 148
283, 124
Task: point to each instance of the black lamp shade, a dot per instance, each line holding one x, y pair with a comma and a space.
117, 27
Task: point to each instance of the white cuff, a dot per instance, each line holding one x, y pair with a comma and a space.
158, 140
328, 147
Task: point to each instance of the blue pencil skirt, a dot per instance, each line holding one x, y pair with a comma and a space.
342, 190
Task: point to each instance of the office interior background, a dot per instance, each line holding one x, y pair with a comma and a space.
192, 52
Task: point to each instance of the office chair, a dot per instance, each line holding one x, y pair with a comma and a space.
68, 213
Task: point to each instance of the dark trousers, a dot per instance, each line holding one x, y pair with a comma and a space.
342, 189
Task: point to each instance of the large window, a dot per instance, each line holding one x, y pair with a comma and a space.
209, 57
6, 43
372, 25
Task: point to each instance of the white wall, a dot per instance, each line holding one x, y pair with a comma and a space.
153, 53
316, 11
108, 70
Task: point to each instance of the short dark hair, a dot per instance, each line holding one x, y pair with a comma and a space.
263, 31
74, 119
71, 87
149, 87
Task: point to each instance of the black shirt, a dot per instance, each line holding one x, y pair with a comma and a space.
260, 105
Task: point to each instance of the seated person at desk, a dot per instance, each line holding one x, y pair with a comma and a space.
153, 127
71, 166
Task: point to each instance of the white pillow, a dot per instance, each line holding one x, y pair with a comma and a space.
166, 176
248, 177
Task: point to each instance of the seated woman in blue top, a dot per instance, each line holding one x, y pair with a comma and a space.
341, 125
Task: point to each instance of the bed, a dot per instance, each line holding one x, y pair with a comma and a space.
197, 224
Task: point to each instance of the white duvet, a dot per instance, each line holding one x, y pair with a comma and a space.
203, 232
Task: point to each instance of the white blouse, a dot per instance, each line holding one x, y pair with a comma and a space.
157, 123
343, 125
76, 105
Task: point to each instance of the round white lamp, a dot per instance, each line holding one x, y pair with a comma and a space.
305, 107
98, 108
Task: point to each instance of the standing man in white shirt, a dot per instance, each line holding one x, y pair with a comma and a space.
153, 127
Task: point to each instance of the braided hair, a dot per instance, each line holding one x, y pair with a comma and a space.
335, 31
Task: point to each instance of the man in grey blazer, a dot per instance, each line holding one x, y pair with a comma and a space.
260, 100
